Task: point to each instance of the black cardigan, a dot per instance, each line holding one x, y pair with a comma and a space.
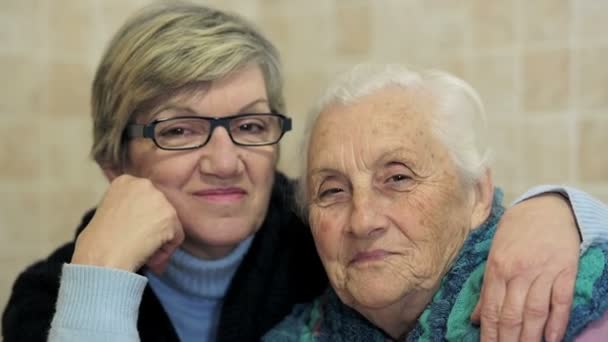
280, 269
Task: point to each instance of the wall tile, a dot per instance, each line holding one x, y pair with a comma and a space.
69, 90
353, 23
23, 89
592, 157
546, 77
593, 77
64, 206
546, 20
20, 155
492, 23
546, 154
399, 30
452, 63
73, 38
66, 151
449, 23
494, 78
20, 217
505, 143
302, 90
591, 21
18, 36
302, 47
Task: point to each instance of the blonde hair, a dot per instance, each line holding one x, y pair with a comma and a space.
458, 122
164, 49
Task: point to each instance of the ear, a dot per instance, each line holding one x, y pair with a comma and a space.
484, 196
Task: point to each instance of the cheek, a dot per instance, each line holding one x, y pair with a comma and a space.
171, 169
439, 221
261, 164
327, 234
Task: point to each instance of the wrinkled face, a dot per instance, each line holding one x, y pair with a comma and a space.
220, 191
387, 207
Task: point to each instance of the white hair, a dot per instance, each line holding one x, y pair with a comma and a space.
459, 119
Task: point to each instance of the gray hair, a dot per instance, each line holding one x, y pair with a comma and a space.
459, 119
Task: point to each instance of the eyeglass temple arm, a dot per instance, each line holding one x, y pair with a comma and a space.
135, 131
287, 124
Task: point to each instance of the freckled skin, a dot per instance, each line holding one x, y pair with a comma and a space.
379, 180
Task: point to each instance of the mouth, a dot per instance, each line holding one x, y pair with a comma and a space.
370, 256
221, 195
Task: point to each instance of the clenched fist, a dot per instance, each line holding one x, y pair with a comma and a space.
134, 225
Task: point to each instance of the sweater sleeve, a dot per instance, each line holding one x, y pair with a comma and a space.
97, 304
591, 215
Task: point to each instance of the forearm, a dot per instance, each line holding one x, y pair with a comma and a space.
97, 304
590, 214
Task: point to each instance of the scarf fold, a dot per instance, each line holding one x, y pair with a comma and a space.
447, 316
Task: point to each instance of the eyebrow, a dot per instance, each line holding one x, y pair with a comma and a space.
190, 110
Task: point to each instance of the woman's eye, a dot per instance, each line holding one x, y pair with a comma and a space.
174, 131
251, 127
329, 192
398, 178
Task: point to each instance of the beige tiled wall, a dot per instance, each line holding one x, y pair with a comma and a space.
541, 66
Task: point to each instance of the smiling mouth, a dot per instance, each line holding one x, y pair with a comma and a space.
221, 195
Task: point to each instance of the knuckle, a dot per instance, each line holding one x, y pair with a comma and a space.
506, 267
510, 319
122, 179
489, 314
536, 311
562, 296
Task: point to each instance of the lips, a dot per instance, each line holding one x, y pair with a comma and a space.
370, 256
230, 194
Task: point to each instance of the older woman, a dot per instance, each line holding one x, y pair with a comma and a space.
403, 211
188, 111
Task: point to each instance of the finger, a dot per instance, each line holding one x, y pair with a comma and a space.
493, 293
476, 315
561, 301
511, 315
536, 308
159, 261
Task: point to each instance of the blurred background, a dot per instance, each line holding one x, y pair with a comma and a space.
541, 67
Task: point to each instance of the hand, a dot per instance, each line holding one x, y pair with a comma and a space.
134, 224
530, 274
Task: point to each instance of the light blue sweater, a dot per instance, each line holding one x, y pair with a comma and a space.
190, 290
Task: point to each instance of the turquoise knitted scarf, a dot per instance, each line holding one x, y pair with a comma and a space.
447, 317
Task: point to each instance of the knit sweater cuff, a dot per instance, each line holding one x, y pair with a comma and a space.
98, 300
591, 215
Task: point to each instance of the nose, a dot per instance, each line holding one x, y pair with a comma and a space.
367, 219
220, 156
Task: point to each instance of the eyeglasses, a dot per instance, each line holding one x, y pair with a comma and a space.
191, 132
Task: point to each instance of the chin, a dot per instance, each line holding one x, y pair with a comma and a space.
221, 232
375, 297
375, 290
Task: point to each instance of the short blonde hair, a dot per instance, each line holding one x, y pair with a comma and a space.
165, 48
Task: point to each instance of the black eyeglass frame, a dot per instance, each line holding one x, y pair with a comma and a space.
147, 130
